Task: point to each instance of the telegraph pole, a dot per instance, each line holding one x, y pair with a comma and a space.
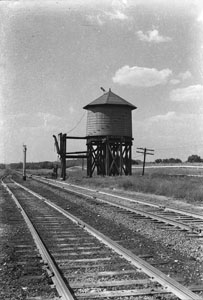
145, 151
24, 161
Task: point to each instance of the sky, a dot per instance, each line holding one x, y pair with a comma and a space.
55, 56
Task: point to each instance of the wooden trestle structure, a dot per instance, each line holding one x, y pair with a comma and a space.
110, 155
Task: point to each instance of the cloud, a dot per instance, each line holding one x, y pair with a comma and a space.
167, 117
116, 15
190, 93
200, 17
97, 18
152, 36
118, 10
181, 77
114, 11
120, 4
106, 16
142, 77
185, 75
174, 124
174, 81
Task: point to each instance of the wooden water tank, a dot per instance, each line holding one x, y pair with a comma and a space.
109, 115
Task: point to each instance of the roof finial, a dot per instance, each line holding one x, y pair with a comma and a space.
109, 89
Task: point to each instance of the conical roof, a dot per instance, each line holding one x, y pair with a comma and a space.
109, 98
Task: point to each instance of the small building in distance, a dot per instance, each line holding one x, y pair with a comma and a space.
109, 135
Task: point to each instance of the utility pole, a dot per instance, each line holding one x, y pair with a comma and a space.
24, 161
145, 151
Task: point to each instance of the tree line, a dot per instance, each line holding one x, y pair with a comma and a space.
50, 165
191, 159
39, 165
168, 161
33, 165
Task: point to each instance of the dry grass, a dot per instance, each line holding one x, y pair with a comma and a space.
186, 188
171, 170
170, 182
40, 172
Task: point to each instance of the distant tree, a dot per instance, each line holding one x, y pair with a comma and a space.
158, 161
33, 165
177, 161
168, 160
165, 161
172, 160
16, 165
194, 158
46, 165
136, 162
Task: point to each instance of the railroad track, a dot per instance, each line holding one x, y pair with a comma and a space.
85, 263
22, 273
179, 218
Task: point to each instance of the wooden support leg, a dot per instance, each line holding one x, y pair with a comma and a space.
107, 159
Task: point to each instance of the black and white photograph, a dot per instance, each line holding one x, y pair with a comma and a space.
101, 150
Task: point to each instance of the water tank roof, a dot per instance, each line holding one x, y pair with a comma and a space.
109, 98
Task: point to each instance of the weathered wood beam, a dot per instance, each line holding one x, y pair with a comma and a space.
76, 137
77, 152
76, 156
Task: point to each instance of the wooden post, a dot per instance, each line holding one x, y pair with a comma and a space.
121, 158
24, 162
130, 160
144, 162
89, 159
107, 157
61, 152
64, 157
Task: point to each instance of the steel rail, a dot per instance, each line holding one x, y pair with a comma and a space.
168, 283
185, 212
60, 285
163, 219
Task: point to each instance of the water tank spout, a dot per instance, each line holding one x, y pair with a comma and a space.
56, 144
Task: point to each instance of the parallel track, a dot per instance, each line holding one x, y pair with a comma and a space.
86, 263
182, 219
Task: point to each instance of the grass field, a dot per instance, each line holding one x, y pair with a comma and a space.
180, 183
176, 170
